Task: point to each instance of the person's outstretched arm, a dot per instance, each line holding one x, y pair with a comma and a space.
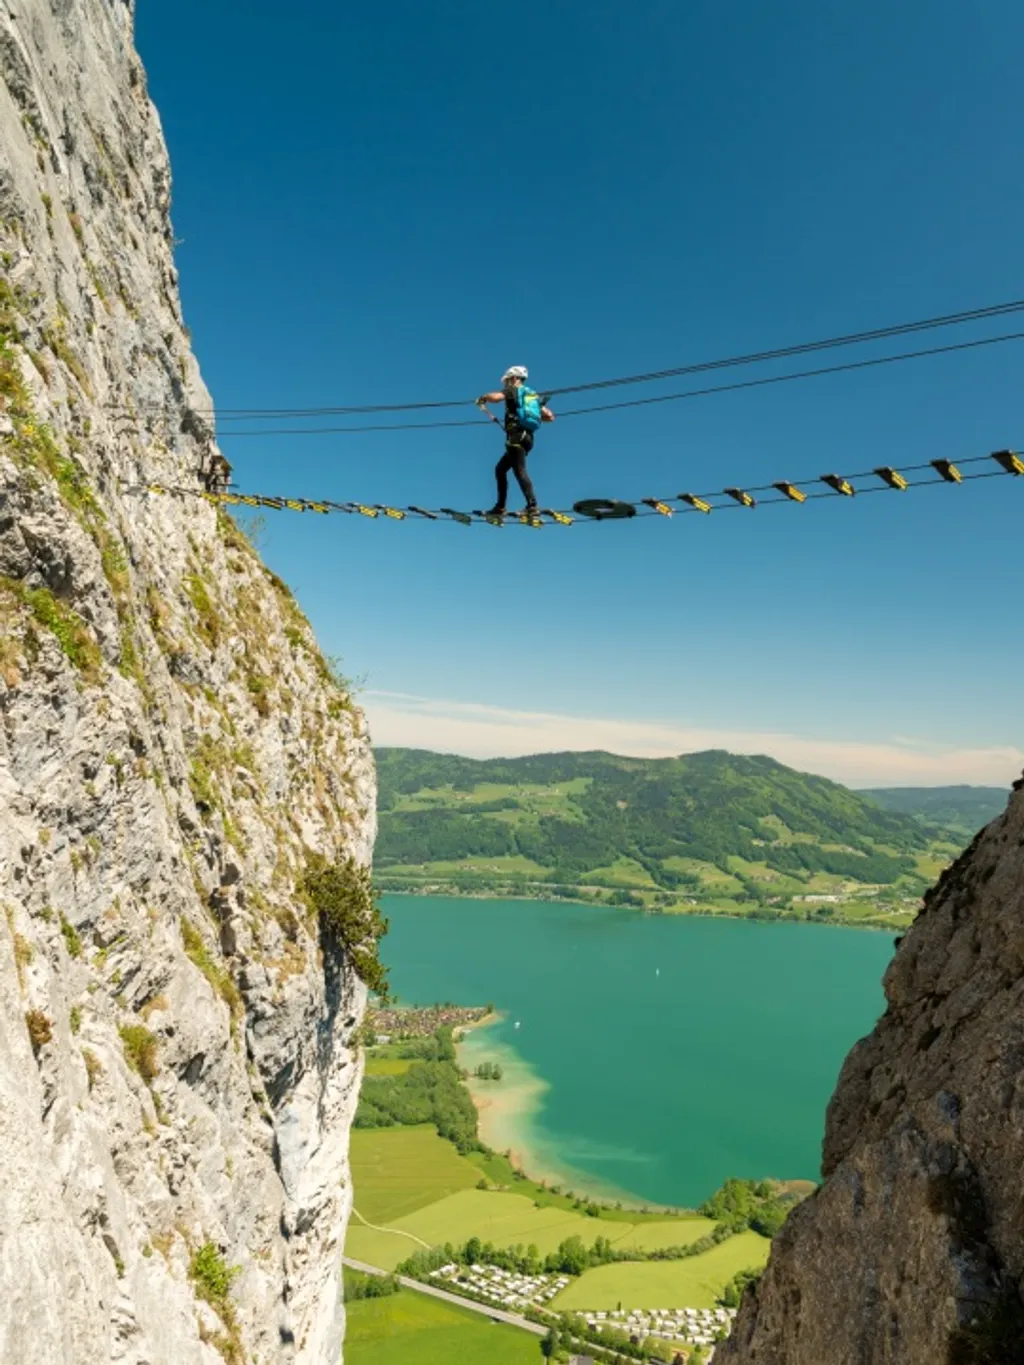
498, 397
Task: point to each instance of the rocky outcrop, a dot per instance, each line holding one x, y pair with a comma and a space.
177, 1003
912, 1250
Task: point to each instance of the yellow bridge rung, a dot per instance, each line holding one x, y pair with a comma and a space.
1010, 461
598, 509
791, 491
948, 471
892, 477
738, 495
840, 484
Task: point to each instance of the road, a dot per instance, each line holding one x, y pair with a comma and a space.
496, 1314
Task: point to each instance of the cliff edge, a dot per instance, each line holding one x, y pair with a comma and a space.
186, 787
912, 1250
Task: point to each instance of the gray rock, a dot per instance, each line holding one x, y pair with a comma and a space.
912, 1250
171, 749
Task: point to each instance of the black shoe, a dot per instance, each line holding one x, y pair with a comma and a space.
530, 509
495, 512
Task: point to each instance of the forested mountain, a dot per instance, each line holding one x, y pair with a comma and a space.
700, 828
964, 809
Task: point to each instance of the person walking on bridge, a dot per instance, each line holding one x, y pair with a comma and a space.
524, 413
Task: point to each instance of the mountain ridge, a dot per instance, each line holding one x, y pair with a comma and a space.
959, 807
710, 830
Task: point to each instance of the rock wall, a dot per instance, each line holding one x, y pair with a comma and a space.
177, 1067
912, 1251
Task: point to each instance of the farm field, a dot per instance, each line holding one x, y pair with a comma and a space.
505, 1220
387, 1066
695, 1282
417, 1189
412, 1329
396, 1171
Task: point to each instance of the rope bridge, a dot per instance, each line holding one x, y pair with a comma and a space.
885, 479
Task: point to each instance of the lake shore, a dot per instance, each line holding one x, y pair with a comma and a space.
656, 1092
506, 1110
895, 924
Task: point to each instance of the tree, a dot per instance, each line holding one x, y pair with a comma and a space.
733, 1291
572, 1256
549, 1345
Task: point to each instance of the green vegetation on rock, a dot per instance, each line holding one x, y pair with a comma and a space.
72, 941
212, 1278
215, 972
65, 625
343, 898
141, 1050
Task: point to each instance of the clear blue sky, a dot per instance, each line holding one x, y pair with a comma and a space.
396, 201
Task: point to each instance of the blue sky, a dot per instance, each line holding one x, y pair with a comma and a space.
394, 202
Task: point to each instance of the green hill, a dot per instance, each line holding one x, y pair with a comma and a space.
709, 832
964, 809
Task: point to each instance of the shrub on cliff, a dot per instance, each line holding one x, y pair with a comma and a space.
343, 898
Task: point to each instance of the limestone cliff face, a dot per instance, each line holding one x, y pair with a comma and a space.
912, 1251
177, 1069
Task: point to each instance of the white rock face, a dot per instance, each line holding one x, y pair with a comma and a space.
178, 1070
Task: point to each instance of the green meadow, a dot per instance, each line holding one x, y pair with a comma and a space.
413, 1329
692, 1283
396, 1171
417, 1190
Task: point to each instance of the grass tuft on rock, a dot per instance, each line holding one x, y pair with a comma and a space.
40, 1029
212, 1278
141, 1051
65, 625
218, 976
209, 624
72, 941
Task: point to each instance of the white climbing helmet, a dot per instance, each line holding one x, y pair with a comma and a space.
515, 372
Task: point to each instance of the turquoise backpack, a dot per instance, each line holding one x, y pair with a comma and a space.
528, 408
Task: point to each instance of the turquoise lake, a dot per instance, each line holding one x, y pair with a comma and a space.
675, 1051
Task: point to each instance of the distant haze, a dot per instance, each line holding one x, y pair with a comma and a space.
478, 730
958, 808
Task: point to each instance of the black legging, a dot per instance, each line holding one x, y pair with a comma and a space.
518, 445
